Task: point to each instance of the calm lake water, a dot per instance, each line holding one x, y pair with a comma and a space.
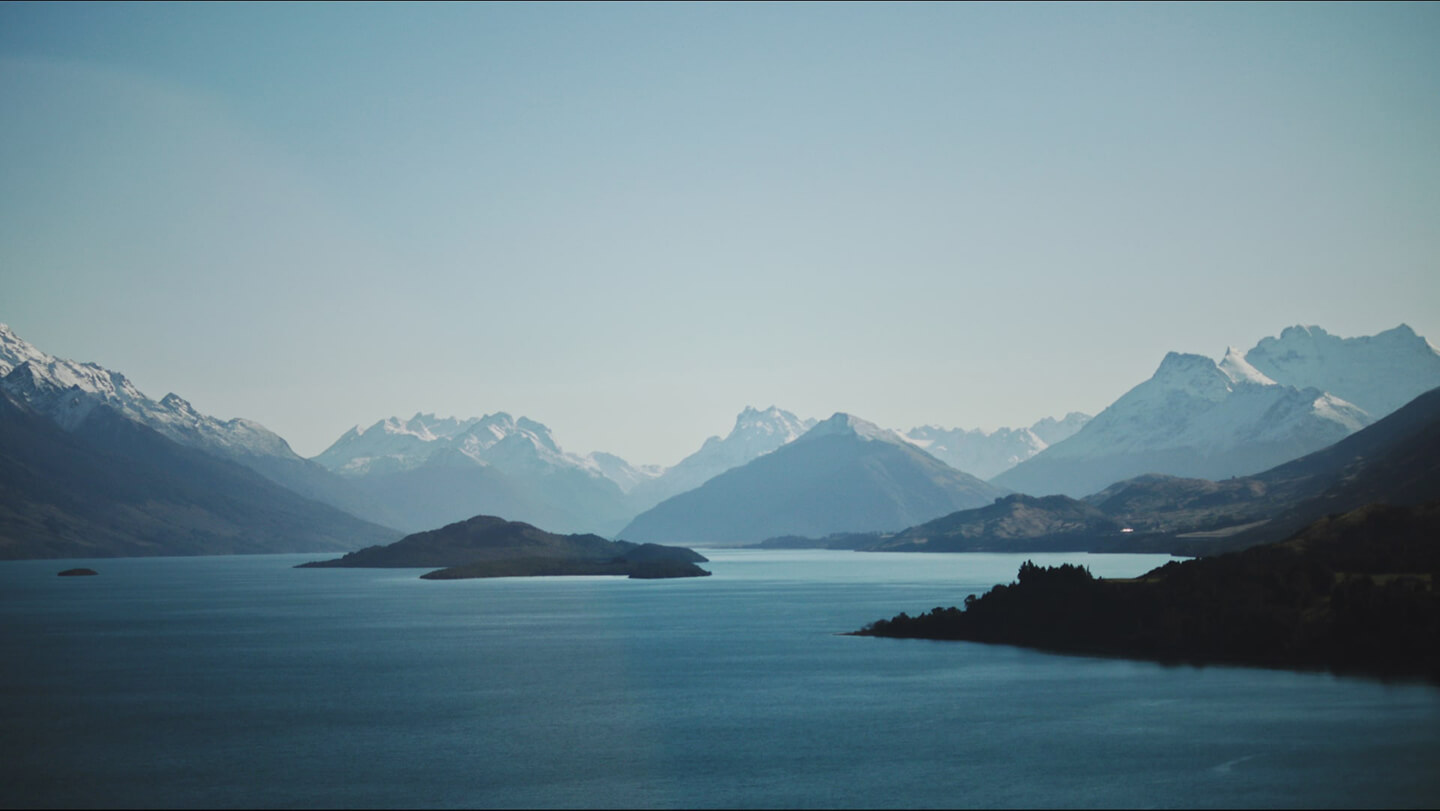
240, 681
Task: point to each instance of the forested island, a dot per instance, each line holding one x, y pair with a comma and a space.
487, 546
1353, 593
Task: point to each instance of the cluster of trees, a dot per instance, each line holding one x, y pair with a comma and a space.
1359, 596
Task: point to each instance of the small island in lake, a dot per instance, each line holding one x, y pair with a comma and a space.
1352, 593
78, 573
487, 546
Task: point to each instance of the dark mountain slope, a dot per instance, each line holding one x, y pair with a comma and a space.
843, 476
1013, 523
116, 488
1394, 461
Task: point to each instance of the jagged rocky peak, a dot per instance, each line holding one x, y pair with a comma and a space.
15, 351
180, 406
539, 431
771, 420
26, 379
1194, 374
68, 392
1239, 370
756, 432
1378, 373
425, 427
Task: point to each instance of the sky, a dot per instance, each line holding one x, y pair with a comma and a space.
630, 221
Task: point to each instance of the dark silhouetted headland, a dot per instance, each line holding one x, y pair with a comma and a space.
1351, 593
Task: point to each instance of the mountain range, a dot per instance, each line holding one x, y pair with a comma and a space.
843, 475
430, 471
755, 434
989, 453
67, 392
1180, 435
1197, 418
1396, 461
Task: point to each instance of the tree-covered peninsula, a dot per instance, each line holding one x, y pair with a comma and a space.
1351, 593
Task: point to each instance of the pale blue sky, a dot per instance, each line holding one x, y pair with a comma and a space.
630, 221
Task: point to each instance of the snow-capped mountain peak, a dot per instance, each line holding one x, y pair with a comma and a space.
393, 445
771, 421
1194, 417
1240, 371
14, 351
1195, 375
539, 432
1378, 373
68, 391
756, 432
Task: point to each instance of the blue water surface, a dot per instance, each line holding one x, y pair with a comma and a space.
241, 681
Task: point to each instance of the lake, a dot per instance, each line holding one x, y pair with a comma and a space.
241, 681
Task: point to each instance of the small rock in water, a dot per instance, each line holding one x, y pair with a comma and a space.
77, 572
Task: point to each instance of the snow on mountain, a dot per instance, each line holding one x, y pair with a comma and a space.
1051, 430
393, 445
15, 351
756, 433
431, 471
988, 453
67, 392
624, 474
843, 475
1197, 418
977, 452
1194, 402
1239, 370
1378, 373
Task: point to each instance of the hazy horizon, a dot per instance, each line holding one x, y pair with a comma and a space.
628, 222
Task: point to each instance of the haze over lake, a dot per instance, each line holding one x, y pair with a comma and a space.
498, 286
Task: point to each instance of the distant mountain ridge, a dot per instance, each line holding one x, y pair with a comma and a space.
1378, 373
987, 454
431, 471
393, 445
843, 475
1197, 418
1394, 461
1194, 417
756, 432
